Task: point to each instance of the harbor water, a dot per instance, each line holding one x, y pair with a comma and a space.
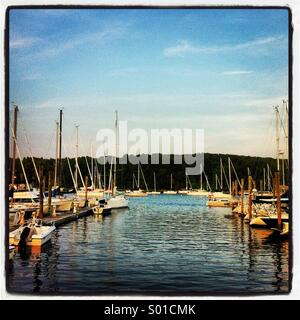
162, 245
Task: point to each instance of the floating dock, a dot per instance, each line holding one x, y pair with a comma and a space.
63, 218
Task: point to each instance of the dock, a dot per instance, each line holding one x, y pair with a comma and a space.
63, 218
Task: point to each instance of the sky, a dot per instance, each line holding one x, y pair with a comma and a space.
222, 71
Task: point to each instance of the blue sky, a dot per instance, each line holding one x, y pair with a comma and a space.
217, 70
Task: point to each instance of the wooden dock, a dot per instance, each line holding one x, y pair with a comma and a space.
63, 218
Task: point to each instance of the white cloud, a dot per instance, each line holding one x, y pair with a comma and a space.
22, 42
179, 50
32, 76
184, 47
237, 72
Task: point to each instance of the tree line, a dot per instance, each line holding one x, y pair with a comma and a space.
242, 164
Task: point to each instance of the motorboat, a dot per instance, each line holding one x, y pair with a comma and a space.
219, 203
102, 209
32, 234
117, 202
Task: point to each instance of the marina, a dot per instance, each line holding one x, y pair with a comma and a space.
149, 156
246, 225
168, 244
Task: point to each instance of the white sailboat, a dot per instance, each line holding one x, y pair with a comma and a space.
171, 191
200, 192
154, 192
186, 191
93, 194
137, 192
116, 201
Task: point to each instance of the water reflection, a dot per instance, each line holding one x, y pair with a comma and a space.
163, 244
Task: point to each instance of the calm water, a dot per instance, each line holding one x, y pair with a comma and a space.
162, 245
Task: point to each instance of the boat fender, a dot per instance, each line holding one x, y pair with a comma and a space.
17, 218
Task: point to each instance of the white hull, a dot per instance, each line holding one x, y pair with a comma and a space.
98, 194
102, 210
183, 191
43, 235
170, 192
117, 202
219, 203
199, 193
136, 193
62, 205
220, 195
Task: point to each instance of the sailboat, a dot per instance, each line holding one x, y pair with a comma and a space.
170, 191
137, 192
269, 218
200, 192
93, 194
29, 200
154, 192
186, 191
116, 201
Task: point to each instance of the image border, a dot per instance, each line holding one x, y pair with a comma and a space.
159, 7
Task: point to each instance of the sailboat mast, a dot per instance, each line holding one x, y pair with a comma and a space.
283, 173
277, 138
171, 181
138, 186
60, 144
56, 154
264, 183
201, 183
115, 162
154, 181
268, 177
104, 173
92, 163
76, 171
186, 182
16, 109
229, 174
221, 173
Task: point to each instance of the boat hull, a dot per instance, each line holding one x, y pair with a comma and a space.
102, 211
273, 222
219, 204
118, 202
43, 236
257, 222
136, 195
